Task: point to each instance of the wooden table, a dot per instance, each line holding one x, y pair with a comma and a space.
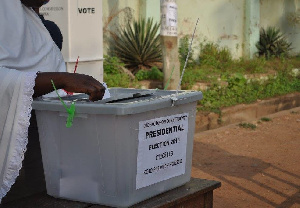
198, 193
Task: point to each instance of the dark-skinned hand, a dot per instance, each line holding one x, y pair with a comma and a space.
78, 83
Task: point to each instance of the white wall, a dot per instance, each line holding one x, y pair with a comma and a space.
82, 33
221, 21
277, 13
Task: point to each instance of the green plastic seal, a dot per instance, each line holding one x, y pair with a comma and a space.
70, 110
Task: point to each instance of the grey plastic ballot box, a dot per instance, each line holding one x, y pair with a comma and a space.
121, 150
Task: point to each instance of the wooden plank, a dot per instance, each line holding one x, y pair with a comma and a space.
196, 193
43, 200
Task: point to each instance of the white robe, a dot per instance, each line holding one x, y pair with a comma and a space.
25, 48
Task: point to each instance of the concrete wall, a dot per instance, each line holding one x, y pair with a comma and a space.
226, 22
280, 13
115, 15
220, 22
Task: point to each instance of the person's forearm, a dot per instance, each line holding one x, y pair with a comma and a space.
43, 83
71, 82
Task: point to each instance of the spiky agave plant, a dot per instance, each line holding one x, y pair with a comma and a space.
138, 45
272, 43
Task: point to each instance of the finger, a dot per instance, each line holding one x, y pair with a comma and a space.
81, 88
97, 96
96, 83
89, 89
98, 93
93, 97
98, 86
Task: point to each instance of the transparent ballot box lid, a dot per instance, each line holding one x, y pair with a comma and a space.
123, 101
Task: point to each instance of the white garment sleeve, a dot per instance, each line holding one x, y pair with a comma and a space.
16, 91
26, 47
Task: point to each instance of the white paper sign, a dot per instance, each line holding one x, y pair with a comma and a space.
161, 149
168, 18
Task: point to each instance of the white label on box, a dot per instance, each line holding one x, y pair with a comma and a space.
162, 149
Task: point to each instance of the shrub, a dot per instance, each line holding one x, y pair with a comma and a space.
241, 90
183, 50
212, 55
111, 65
138, 45
272, 43
247, 125
153, 74
117, 80
266, 119
256, 65
113, 76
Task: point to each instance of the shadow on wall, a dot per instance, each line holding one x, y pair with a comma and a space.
245, 168
289, 24
228, 26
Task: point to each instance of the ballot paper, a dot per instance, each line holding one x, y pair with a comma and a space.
62, 93
107, 93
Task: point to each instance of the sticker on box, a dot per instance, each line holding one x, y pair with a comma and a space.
161, 149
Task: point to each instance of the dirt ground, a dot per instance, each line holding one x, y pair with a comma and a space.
257, 168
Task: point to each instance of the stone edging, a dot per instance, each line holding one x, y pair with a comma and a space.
245, 112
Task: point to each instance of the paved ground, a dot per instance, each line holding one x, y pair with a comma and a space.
257, 168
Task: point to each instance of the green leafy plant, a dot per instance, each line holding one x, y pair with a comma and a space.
265, 119
213, 55
113, 76
251, 66
183, 49
247, 125
111, 64
241, 90
272, 43
153, 74
138, 45
192, 75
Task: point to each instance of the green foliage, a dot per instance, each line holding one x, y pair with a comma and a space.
228, 84
216, 62
184, 44
192, 75
153, 74
256, 65
111, 65
240, 90
113, 76
272, 43
213, 55
266, 119
117, 80
138, 45
247, 125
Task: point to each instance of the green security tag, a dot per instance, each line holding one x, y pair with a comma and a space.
71, 114
70, 111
